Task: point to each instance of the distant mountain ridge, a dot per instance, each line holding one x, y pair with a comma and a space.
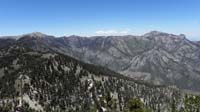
156, 57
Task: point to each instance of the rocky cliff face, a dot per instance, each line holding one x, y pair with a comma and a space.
156, 57
44, 81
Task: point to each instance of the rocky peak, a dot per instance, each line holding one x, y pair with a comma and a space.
36, 34
164, 37
182, 36
155, 33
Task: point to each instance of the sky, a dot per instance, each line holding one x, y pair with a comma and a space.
100, 17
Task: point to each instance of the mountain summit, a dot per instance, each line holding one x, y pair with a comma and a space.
36, 34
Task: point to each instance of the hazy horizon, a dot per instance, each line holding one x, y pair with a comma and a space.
90, 36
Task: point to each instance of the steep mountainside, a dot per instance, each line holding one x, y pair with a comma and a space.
156, 57
198, 42
6, 42
44, 81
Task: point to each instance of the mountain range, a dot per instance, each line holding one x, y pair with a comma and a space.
155, 57
149, 73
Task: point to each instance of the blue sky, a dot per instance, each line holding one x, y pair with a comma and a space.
100, 17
